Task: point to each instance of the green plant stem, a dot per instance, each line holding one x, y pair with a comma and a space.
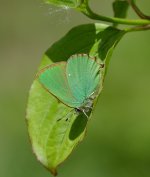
138, 28
85, 9
137, 10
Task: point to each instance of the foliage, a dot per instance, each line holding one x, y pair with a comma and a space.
52, 140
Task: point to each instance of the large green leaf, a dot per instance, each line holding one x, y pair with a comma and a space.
52, 140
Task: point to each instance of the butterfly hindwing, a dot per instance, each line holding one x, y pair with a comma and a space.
53, 79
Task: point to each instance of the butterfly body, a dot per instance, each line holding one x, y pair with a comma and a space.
74, 83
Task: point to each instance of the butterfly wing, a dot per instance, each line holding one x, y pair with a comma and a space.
83, 76
53, 79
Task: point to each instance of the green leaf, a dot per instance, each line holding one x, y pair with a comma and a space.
120, 8
53, 140
108, 40
80, 39
65, 3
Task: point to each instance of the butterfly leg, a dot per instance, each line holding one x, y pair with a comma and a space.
66, 116
89, 107
85, 113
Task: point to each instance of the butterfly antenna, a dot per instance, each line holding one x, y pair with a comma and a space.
67, 124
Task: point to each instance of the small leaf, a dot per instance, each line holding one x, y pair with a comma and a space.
120, 8
109, 38
53, 140
67, 3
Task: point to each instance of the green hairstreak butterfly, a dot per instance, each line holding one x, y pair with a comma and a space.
75, 82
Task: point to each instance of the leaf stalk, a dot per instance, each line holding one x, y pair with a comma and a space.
137, 10
86, 10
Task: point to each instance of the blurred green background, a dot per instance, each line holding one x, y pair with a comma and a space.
118, 139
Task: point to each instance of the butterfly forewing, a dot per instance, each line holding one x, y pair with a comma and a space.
83, 76
53, 79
